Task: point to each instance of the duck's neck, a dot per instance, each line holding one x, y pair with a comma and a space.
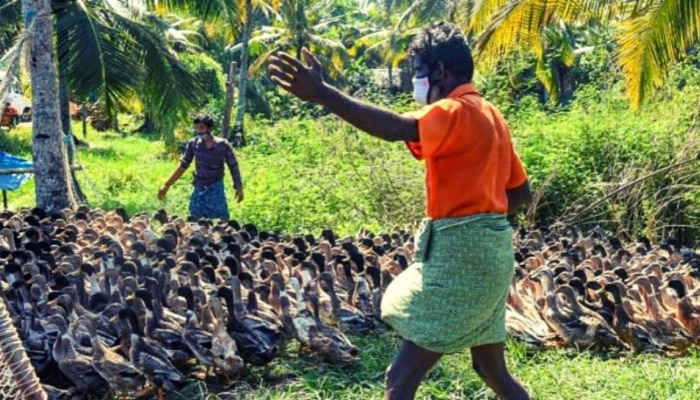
206, 316
238, 308
548, 283
301, 306
64, 345
335, 301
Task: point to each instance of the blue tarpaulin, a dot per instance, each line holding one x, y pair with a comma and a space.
14, 181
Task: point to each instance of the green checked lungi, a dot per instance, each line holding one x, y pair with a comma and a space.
453, 295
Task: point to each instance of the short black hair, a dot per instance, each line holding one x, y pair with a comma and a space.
444, 42
205, 119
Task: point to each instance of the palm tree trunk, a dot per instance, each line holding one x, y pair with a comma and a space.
53, 189
230, 85
300, 27
238, 128
566, 85
148, 126
68, 136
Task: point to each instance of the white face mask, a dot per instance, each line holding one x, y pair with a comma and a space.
421, 90
201, 136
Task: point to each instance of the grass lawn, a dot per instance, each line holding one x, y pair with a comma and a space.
551, 375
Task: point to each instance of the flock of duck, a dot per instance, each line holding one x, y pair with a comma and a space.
104, 302
592, 292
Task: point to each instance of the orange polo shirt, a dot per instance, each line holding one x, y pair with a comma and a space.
469, 157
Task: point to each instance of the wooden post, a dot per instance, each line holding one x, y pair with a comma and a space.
230, 85
4, 198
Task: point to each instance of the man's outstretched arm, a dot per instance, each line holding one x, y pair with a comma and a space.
307, 84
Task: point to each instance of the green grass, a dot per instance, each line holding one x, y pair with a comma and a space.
552, 375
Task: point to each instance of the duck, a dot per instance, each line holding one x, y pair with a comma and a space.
636, 335
303, 318
256, 340
332, 345
76, 366
346, 317
152, 360
340, 340
281, 304
119, 373
597, 330
686, 312
198, 341
225, 354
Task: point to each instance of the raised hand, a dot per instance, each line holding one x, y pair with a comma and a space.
304, 82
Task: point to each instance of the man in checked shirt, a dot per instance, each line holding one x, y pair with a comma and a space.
210, 153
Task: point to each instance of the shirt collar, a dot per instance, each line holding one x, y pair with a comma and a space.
462, 90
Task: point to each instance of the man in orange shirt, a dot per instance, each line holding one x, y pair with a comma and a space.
453, 295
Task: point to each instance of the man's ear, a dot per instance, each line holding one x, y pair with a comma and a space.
440, 70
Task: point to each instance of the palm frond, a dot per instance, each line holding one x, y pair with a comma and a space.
262, 40
10, 24
98, 59
654, 38
9, 4
373, 42
169, 89
260, 60
208, 10
8, 65
521, 23
328, 22
483, 13
11, 53
392, 5
329, 45
421, 12
545, 74
399, 44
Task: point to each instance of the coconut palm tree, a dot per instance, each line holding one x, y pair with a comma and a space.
419, 12
651, 35
299, 24
401, 21
229, 20
51, 173
114, 50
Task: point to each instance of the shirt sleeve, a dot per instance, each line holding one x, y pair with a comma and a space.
517, 172
435, 121
188, 155
232, 163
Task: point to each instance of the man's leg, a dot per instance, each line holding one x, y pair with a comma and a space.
218, 205
489, 362
407, 370
195, 209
